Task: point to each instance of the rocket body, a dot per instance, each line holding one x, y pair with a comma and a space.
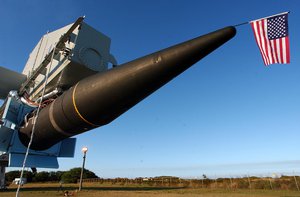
99, 99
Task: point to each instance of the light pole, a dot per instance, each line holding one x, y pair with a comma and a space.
84, 150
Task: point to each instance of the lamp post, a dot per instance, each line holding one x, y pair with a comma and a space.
84, 150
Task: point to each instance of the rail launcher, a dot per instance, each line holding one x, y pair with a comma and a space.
67, 70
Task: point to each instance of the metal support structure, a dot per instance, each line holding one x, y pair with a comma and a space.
2, 177
271, 185
231, 183
60, 45
249, 181
296, 182
3, 165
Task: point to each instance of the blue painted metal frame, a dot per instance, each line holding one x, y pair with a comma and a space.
13, 118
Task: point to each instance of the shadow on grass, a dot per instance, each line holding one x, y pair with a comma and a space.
93, 188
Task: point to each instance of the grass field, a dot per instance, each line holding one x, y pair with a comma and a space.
93, 190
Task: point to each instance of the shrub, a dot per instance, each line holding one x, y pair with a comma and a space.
73, 175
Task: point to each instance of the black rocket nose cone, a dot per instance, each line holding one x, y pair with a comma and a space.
191, 51
178, 58
209, 42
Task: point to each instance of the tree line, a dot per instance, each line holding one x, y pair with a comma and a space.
73, 175
268, 183
70, 176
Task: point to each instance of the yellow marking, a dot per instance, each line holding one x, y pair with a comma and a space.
76, 109
54, 124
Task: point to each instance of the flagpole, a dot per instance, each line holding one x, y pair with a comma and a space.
241, 24
244, 23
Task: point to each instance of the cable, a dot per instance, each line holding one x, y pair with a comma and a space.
34, 123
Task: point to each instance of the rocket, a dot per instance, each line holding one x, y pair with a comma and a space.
97, 100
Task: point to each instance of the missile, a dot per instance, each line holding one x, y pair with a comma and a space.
99, 99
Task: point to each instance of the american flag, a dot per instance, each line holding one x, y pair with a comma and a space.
272, 38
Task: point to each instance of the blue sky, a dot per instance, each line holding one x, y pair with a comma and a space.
228, 110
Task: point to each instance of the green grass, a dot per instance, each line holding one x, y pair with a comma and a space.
94, 189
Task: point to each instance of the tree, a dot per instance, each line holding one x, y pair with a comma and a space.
70, 176
41, 177
10, 176
55, 176
73, 175
28, 175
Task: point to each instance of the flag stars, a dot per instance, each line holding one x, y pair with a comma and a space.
277, 27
